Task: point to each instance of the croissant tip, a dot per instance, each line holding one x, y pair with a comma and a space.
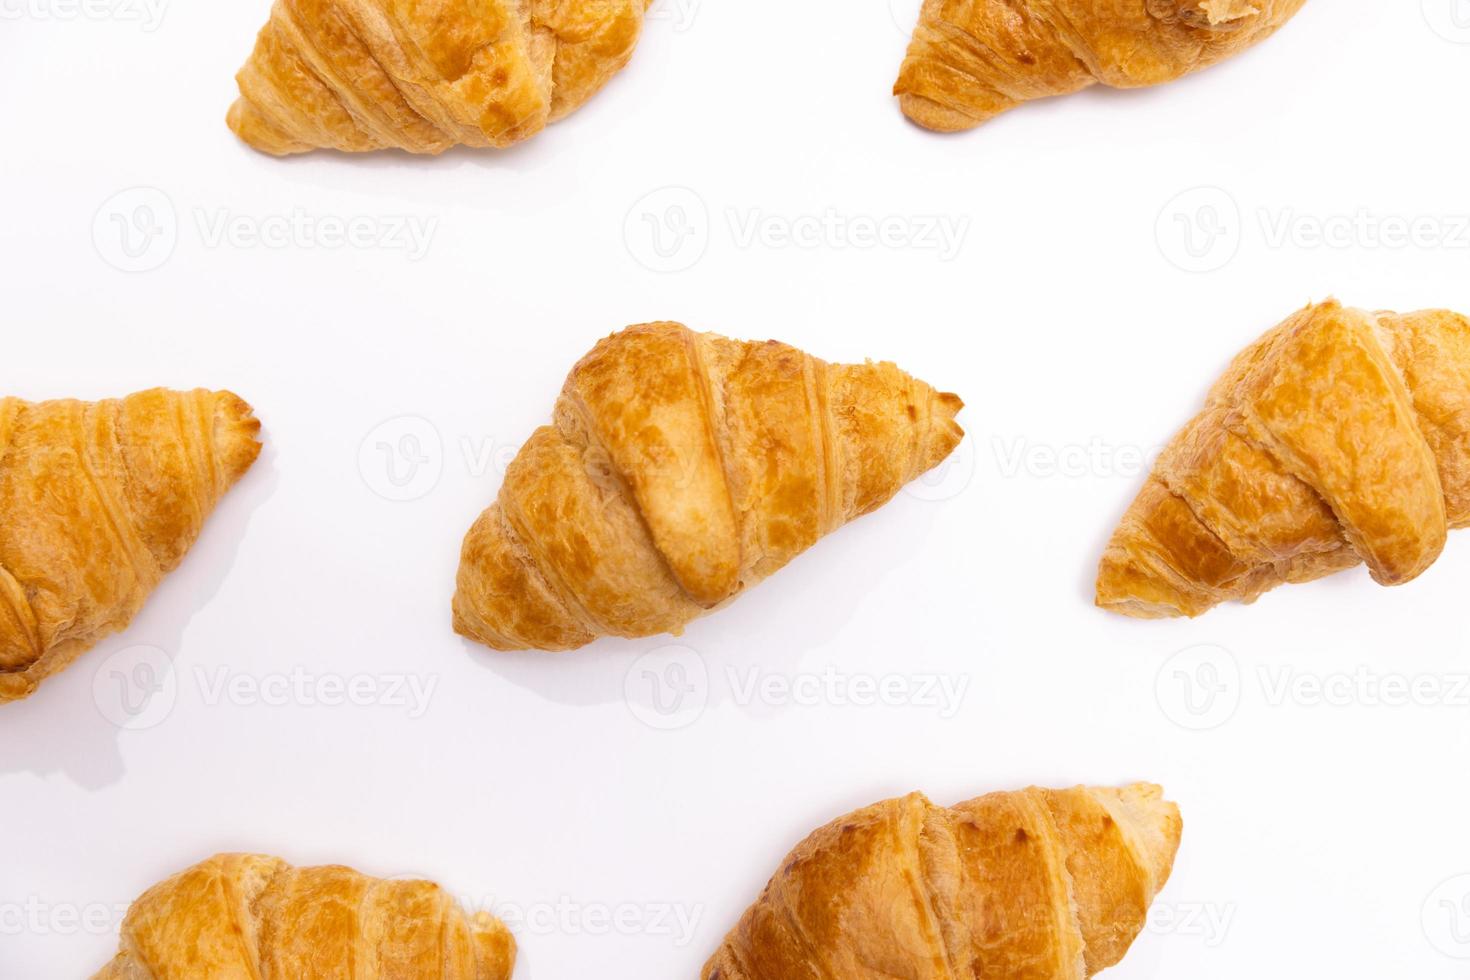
16, 686
252, 129
925, 112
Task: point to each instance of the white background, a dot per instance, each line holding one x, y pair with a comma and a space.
1319, 830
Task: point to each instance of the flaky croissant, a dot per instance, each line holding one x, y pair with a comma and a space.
425, 75
971, 60
681, 469
249, 916
1034, 885
98, 501
1340, 436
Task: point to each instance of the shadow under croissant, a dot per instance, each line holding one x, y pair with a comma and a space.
61, 728
739, 635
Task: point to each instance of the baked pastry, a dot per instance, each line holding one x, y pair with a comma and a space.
239, 916
425, 75
98, 501
1340, 437
681, 469
971, 60
1035, 885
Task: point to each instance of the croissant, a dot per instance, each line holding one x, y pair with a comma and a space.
681, 469
1035, 885
248, 916
98, 501
425, 75
971, 60
1340, 437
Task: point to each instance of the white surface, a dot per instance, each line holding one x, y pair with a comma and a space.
1319, 831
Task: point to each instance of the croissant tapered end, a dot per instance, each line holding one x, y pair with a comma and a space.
1036, 883
969, 62
502, 600
1150, 822
236, 435
250, 915
683, 468
255, 127
98, 501
1113, 884
424, 77
1162, 561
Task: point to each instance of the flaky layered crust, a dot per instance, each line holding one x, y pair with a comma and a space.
1034, 885
425, 75
1340, 437
249, 916
681, 469
98, 501
971, 60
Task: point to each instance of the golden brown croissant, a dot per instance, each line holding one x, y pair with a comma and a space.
425, 75
1035, 885
681, 469
249, 916
971, 60
98, 501
1340, 436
